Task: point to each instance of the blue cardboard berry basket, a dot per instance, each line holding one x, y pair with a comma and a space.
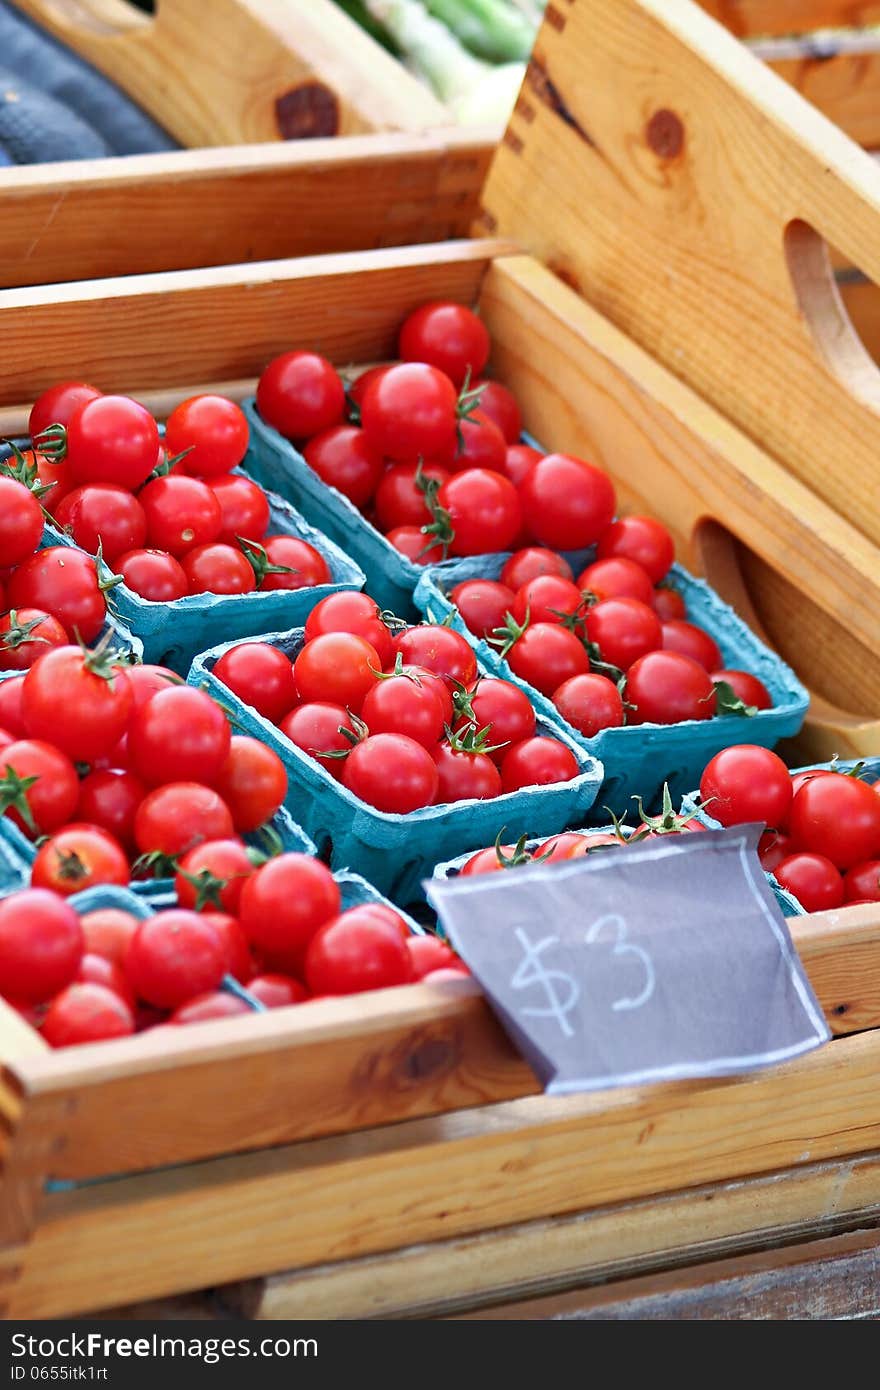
638, 759
396, 852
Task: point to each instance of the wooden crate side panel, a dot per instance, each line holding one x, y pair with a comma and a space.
845, 87
753, 18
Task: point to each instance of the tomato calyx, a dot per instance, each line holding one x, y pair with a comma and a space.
20, 634
52, 443
355, 735
576, 621
728, 702
394, 624
410, 673
13, 795
469, 398
605, 668
103, 660
259, 561
270, 846
507, 636
71, 868
25, 473
439, 530
519, 855
470, 739
163, 469
668, 822
154, 864
208, 887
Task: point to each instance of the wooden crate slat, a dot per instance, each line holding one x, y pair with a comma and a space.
750, 18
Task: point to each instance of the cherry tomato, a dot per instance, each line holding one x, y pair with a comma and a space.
568, 502
306, 565
666, 688
153, 574
11, 717
690, 640
484, 511
107, 932
358, 386
438, 649
97, 970
86, 1013
800, 779
481, 445
465, 776
400, 501
277, 991
569, 845
813, 880
64, 582
54, 476
146, 681
41, 945
536, 762
181, 512
348, 611
103, 515
78, 857
177, 816
449, 336
547, 599
181, 734
624, 629
861, 883
746, 686
315, 728
56, 405
244, 508
391, 772
639, 538
404, 705
617, 577
110, 799
485, 861
744, 784
506, 710
300, 394
282, 906
205, 1007
173, 956
239, 961
27, 634
519, 460
482, 604
345, 459
528, 564
261, 676
773, 847
502, 408
436, 683
215, 431
336, 668
589, 703
354, 953
39, 788
212, 875
252, 782
546, 656
429, 953
218, 569
410, 412
837, 816
78, 701
112, 439
412, 542
21, 522
668, 603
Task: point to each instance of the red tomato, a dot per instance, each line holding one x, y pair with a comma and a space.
315, 728
800, 779
746, 687
617, 577
861, 883
536, 762
639, 538
744, 784
173, 956
345, 459
261, 676
404, 705
301, 394
482, 604
569, 845
239, 961
773, 847
547, 599
181, 734
205, 1007
386, 914
434, 682
86, 1013
11, 717
506, 710
399, 499
485, 861
438, 649
624, 629
212, 875
252, 782
304, 567
546, 656
277, 991
174, 818
107, 932
39, 788
410, 412
589, 703
153, 574
519, 460
668, 604
112, 439
813, 880
98, 970
25, 635
336, 668
282, 906
56, 405
391, 772
215, 431
484, 511
528, 564
568, 502
501, 406
78, 701
102, 515
348, 611
244, 508
64, 582
78, 857
21, 522
447, 335
54, 476
666, 688
146, 681
690, 640
356, 953
110, 799
41, 945
360, 383
218, 569
181, 512
429, 953
837, 816
481, 445
412, 542
465, 776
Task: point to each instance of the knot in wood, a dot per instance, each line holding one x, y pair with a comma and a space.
307, 112
665, 133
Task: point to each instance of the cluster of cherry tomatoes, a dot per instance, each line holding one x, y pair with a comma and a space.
399, 715
823, 838
171, 518
277, 929
430, 451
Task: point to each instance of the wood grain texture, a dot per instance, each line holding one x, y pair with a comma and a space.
271, 71
539, 1256
844, 87
587, 388
750, 18
330, 1199
706, 174
159, 212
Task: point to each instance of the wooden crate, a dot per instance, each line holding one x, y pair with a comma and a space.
360, 1126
